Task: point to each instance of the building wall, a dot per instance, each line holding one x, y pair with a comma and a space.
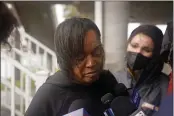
37, 20
155, 12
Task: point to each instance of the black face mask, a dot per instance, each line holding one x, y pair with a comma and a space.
137, 61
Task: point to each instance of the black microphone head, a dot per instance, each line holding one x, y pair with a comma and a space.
107, 98
122, 106
90, 106
120, 90
77, 104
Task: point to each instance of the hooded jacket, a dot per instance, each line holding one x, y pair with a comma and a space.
56, 95
151, 91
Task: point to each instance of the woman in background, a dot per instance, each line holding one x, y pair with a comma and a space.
143, 76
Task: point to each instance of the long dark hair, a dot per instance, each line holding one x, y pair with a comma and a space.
69, 40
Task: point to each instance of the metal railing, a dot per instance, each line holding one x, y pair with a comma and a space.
27, 76
31, 41
24, 93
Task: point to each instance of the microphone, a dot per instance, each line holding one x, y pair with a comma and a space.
120, 90
122, 106
107, 99
79, 112
79, 103
78, 108
89, 105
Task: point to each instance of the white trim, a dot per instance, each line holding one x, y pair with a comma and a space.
17, 90
13, 95
99, 16
19, 66
27, 91
19, 52
21, 88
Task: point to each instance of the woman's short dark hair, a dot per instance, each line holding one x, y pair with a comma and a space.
7, 23
69, 40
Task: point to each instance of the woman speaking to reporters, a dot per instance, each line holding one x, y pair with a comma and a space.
80, 56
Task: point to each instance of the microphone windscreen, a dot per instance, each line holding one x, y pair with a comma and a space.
77, 104
122, 106
79, 112
120, 90
91, 106
107, 98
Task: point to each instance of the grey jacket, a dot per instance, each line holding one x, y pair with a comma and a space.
151, 90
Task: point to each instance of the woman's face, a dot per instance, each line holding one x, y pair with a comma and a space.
141, 44
89, 64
